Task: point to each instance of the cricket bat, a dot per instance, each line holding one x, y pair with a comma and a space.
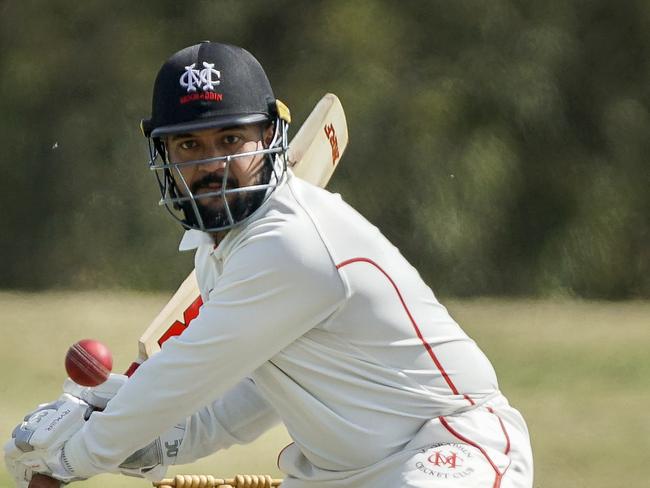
313, 155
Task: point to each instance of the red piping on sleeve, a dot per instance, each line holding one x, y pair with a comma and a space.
498, 474
426, 345
467, 397
503, 428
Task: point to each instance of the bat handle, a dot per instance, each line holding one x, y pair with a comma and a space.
44, 481
134, 365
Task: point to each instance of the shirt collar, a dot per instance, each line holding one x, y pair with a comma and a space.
193, 239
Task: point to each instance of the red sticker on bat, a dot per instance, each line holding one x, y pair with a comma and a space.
178, 327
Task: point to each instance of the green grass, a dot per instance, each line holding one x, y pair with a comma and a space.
578, 371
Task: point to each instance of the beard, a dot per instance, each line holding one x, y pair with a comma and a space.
212, 210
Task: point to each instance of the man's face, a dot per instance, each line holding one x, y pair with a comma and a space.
208, 177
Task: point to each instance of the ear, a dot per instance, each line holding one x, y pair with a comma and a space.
268, 134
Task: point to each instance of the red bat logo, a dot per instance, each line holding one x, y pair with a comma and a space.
330, 133
178, 327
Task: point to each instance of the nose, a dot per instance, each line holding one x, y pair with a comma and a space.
213, 164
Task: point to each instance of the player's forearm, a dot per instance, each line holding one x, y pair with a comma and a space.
150, 403
247, 320
239, 417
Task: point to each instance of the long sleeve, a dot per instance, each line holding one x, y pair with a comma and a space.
278, 282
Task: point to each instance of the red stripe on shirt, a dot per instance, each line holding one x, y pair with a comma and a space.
426, 345
503, 428
498, 474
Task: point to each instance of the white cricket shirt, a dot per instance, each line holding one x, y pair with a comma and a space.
310, 317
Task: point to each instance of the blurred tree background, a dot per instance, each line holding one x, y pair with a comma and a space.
502, 146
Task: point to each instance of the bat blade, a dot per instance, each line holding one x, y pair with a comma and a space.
316, 150
172, 320
313, 155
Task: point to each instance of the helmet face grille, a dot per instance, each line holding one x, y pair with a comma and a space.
230, 205
209, 85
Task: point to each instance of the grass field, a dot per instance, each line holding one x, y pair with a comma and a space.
578, 371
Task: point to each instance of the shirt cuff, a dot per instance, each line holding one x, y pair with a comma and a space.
76, 459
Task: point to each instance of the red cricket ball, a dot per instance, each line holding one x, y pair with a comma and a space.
88, 362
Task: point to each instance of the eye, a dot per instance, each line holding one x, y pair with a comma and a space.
230, 139
188, 144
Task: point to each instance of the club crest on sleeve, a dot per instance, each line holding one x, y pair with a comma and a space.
205, 79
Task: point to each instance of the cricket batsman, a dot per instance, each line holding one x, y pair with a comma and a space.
311, 318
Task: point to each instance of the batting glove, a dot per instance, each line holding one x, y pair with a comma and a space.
37, 444
97, 396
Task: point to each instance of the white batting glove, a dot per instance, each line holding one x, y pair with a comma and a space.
151, 461
37, 443
97, 396
148, 461
19, 472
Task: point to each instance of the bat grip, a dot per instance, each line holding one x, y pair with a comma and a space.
134, 365
44, 481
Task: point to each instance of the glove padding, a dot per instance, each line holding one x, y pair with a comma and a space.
97, 396
148, 461
37, 444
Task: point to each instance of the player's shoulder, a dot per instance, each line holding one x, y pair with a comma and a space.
302, 191
284, 229
282, 247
